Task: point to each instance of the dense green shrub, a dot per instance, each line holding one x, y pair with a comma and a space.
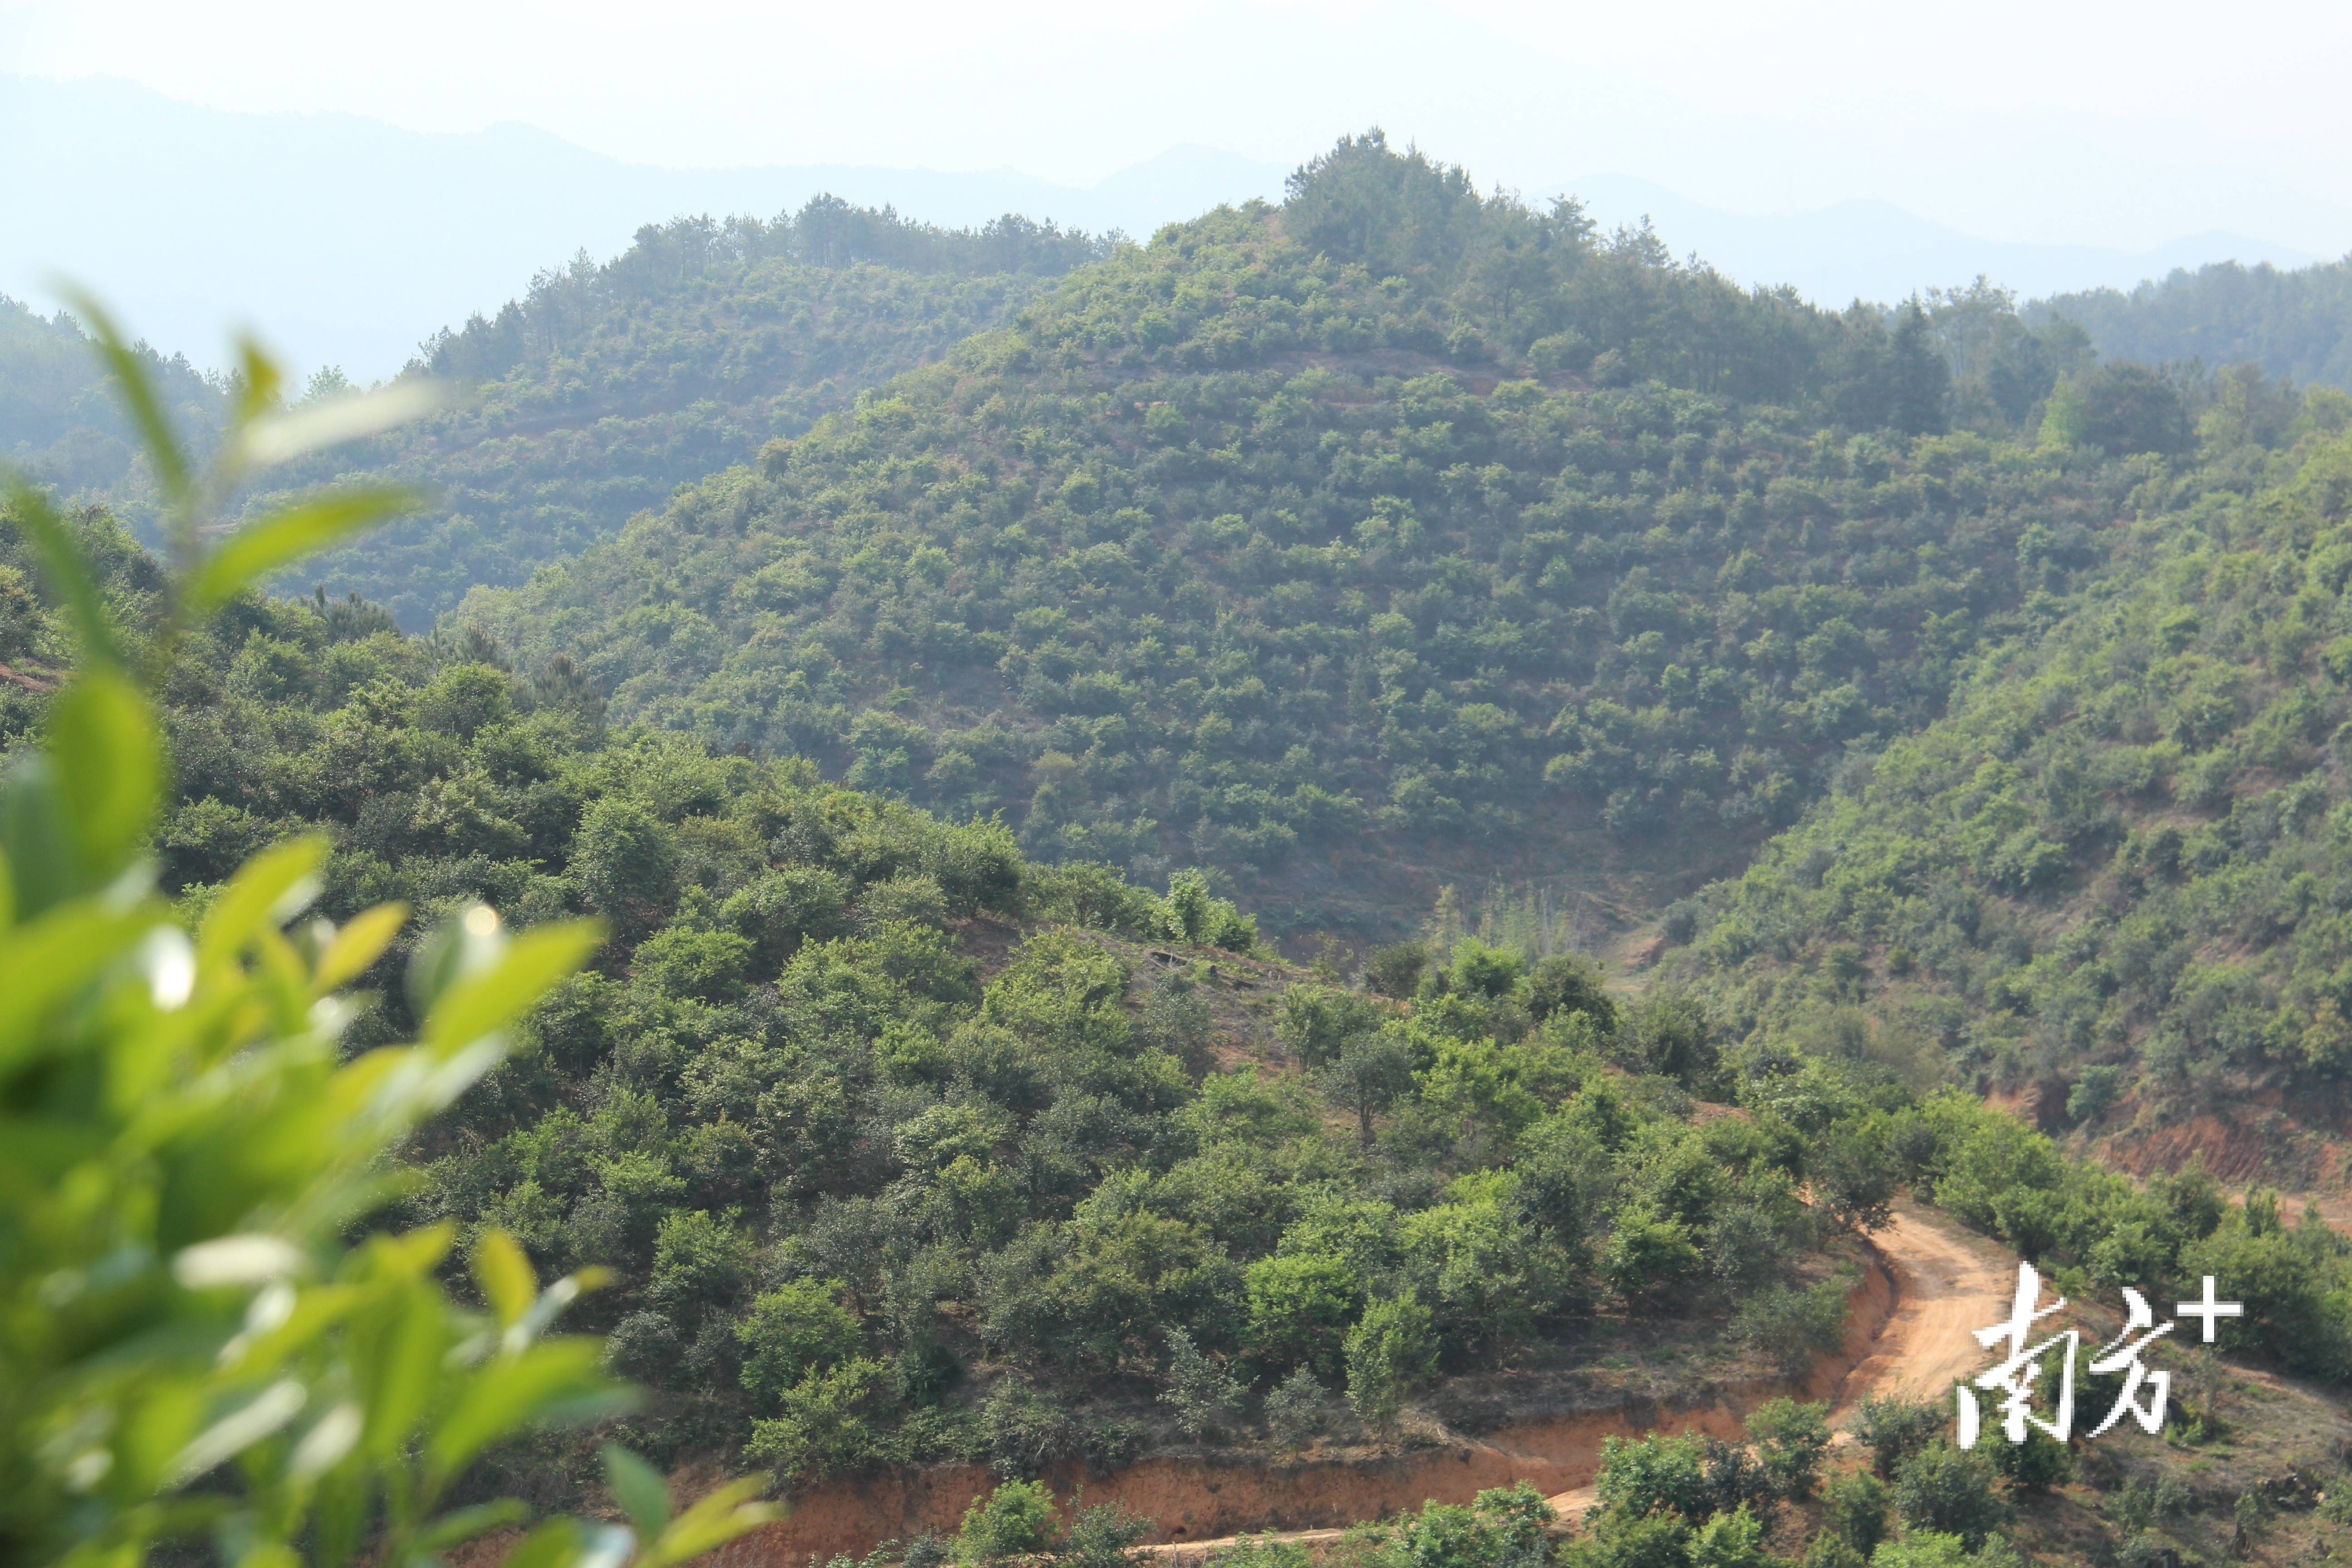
1949, 1490
1790, 1438
1655, 1475
1202, 1392
1390, 1349
1938, 1549
2109, 871
1503, 1526
1793, 1326
1678, 1502
1014, 1521
1853, 1509
1300, 1306
1893, 1428
798, 1328
828, 1422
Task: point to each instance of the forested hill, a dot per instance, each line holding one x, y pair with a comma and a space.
59, 422
2113, 881
2293, 323
905, 1149
1392, 535
608, 385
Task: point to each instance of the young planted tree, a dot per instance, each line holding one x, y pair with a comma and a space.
1945, 1490
1854, 1510
1294, 1410
1392, 1348
1014, 1521
1202, 1392
1370, 1073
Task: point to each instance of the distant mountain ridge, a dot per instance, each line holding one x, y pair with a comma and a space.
1876, 250
59, 421
590, 396
401, 232
605, 388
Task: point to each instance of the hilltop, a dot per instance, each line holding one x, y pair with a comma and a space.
1394, 536
606, 386
592, 397
60, 423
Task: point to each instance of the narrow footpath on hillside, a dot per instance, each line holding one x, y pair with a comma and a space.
1946, 1283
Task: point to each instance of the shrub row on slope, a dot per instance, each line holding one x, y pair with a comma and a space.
2115, 872
1303, 522
904, 1147
608, 385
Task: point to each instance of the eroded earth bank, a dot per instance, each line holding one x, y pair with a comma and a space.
1908, 1327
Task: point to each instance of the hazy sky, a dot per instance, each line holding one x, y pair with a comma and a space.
2022, 119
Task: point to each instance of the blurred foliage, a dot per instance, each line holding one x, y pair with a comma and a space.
198, 1337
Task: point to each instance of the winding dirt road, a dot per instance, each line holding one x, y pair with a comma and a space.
1946, 1284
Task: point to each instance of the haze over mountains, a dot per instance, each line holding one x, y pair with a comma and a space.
397, 232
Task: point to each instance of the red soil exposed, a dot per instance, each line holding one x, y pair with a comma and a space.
1947, 1283
1912, 1336
2233, 1148
1196, 1501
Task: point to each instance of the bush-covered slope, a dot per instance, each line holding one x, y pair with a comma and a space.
1396, 530
592, 397
2293, 323
59, 422
907, 1148
2116, 874
904, 1149
607, 386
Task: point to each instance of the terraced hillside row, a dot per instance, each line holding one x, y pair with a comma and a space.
905, 1149
2111, 880
1392, 536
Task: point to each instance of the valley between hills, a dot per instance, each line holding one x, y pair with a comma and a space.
1258, 896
